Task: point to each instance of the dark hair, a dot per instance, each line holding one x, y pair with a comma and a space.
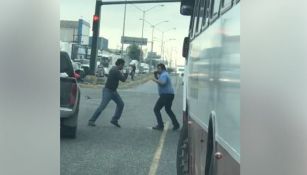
119, 62
162, 66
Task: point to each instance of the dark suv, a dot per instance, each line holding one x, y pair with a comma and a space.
69, 97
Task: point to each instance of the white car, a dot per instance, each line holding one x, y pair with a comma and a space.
180, 70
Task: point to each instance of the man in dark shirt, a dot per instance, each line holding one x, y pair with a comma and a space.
110, 93
132, 73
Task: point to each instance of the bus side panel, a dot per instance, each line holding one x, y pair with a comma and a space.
198, 137
227, 165
197, 148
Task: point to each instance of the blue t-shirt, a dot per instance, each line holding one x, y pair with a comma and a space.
166, 87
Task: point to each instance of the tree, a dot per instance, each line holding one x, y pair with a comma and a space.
134, 52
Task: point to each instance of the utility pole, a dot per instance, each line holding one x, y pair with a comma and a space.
96, 24
153, 28
143, 24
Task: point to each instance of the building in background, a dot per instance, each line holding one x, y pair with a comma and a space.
68, 31
75, 34
102, 43
75, 31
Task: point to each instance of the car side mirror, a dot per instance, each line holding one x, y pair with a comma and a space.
186, 7
185, 47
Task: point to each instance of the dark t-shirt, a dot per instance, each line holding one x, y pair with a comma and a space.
114, 77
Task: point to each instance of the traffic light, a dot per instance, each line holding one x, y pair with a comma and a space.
95, 29
96, 18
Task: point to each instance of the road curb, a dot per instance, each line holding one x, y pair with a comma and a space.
122, 85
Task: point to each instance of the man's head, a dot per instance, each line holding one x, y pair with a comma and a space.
161, 67
120, 63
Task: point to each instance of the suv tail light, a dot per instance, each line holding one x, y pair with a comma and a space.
73, 94
76, 75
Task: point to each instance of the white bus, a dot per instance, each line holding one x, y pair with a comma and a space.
209, 142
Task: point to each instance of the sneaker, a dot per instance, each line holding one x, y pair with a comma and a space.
91, 123
176, 127
157, 127
115, 123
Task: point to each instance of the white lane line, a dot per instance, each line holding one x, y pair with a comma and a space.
157, 156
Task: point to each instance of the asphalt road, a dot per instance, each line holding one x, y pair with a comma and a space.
129, 150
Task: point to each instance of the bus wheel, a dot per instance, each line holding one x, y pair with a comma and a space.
182, 153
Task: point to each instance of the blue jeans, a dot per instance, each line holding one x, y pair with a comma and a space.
108, 95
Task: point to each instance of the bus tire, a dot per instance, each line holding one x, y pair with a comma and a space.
182, 162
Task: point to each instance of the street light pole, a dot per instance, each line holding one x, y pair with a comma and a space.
123, 35
152, 35
168, 50
153, 28
143, 24
143, 19
144, 12
162, 41
162, 45
142, 53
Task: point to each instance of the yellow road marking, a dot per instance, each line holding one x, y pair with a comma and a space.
157, 156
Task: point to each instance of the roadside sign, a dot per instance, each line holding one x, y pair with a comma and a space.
133, 40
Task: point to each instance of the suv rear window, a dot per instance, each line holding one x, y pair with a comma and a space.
66, 65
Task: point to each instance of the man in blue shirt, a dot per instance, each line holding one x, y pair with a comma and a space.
166, 93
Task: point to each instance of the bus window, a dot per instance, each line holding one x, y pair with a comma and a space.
206, 14
227, 3
201, 14
191, 28
216, 8
196, 17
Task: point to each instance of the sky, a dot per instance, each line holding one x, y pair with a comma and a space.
111, 26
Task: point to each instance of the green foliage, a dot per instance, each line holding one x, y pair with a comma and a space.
169, 69
134, 52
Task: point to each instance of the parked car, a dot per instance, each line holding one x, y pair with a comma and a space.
180, 70
144, 68
85, 64
78, 69
100, 72
69, 97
